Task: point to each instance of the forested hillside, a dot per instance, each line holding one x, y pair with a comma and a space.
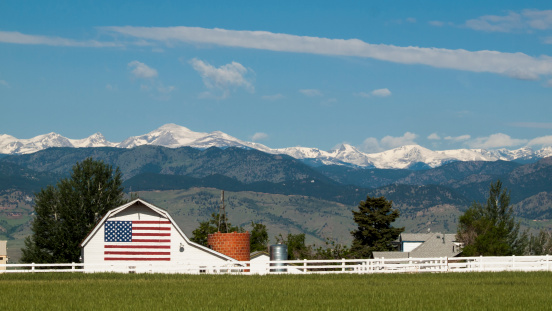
282, 192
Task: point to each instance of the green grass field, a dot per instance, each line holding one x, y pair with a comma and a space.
452, 291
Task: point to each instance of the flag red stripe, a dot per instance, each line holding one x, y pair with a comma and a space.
150, 222
138, 246
138, 259
151, 234
151, 240
150, 228
136, 253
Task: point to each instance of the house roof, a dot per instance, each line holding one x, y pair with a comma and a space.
432, 245
159, 211
437, 245
415, 237
259, 254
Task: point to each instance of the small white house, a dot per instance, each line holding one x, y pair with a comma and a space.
259, 262
140, 237
424, 245
3, 254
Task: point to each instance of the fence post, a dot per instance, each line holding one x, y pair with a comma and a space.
305, 265
547, 263
446, 264
343, 264
32, 266
513, 262
73, 266
480, 262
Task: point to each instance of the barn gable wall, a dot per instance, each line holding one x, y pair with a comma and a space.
182, 251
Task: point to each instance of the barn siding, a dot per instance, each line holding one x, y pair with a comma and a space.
190, 254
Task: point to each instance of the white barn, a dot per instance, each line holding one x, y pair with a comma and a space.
140, 237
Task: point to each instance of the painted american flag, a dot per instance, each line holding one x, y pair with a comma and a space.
137, 240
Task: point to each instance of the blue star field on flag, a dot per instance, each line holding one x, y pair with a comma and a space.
118, 231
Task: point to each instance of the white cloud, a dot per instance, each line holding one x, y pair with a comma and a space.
434, 136
259, 136
494, 23
516, 65
165, 89
329, 102
4, 83
547, 40
141, 70
411, 20
381, 92
20, 38
363, 94
538, 125
151, 82
311, 92
436, 23
525, 20
390, 142
548, 83
225, 77
272, 97
498, 140
537, 19
458, 138
541, 141
371, 144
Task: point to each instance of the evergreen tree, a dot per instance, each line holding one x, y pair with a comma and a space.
374, 233
258, 240
66, 213
540, 244
491, 230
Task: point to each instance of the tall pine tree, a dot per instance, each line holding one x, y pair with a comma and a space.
491, 230
66, 213
374, 233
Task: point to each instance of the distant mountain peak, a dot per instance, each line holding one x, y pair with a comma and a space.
173, 136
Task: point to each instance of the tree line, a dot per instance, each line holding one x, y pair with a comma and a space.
66, 212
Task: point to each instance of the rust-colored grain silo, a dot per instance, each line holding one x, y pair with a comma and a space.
235, 244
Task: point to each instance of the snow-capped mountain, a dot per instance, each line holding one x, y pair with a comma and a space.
95, 140
174, 136
168, 135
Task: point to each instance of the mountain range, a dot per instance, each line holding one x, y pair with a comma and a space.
175, 136
278, 190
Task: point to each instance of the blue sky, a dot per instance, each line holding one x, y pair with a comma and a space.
374, 74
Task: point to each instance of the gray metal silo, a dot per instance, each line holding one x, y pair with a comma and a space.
278, 252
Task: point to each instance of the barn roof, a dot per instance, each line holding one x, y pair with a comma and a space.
157, 210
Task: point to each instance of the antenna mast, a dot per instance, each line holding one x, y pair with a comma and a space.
222, 213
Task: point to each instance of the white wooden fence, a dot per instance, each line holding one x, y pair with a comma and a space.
354, 266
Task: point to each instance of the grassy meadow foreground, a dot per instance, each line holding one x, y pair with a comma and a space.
452, 291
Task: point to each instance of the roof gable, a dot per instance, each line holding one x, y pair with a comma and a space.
155, 209
438, 245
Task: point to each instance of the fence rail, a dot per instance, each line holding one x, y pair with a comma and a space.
354, 266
